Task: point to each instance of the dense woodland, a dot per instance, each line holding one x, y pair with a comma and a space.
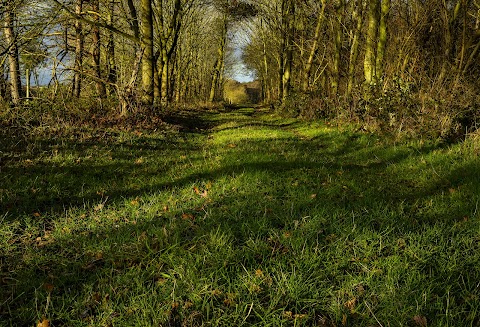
409, 67
142, 185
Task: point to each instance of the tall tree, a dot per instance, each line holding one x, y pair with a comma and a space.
79, 44
146, 35
12, 50
99, 84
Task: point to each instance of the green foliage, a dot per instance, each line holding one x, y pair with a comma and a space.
236, 219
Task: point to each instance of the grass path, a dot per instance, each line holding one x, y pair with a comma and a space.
238, 218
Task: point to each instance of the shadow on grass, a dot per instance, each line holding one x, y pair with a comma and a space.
269, 187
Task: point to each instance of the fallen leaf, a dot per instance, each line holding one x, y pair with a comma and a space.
139, 161
143, 236
288, 314
350, 304
231, 145
196, 190
37, 214
420, 321
187, 305
313, 196
43, 323
188, 216
134, 202
259, 273
48, 287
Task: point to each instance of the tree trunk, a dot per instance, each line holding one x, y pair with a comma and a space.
146, 34
99, 84
289, 47
78, 64
307, 70
219, 62
13, 57
382, 39
357, 16
338, 48
369, 62
112, 66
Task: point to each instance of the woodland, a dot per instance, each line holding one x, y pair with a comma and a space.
142, 184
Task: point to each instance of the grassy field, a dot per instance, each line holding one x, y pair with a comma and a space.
237, 218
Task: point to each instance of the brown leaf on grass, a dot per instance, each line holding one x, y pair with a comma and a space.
231, 145
43, 323
196, 190
139, 161
313, 196
143, 236
48, 287
37, 214
350, 304
187, 216
420, 321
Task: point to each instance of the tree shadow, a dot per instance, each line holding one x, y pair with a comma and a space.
310, 178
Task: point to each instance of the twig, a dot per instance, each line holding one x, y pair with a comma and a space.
366, 303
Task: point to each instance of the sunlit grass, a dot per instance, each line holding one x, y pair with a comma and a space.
261, 221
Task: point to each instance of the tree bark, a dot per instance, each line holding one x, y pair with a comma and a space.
219, 62
13, 57
369, 62
146, 35
357, 16
99, 84
79, 43
112, 66
307, 70
382, 39
289, 15
338, 47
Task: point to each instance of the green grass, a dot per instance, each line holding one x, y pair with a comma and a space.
256, 220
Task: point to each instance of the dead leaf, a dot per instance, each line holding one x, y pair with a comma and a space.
231, 145
187, 305
37, 214
99, 207
43, 323
187, 216
259, 273
48, 287
196, 190
350, 304
288, 314
143, 236
420, 321
139, 161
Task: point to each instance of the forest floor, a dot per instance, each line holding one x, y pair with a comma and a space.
237, 218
